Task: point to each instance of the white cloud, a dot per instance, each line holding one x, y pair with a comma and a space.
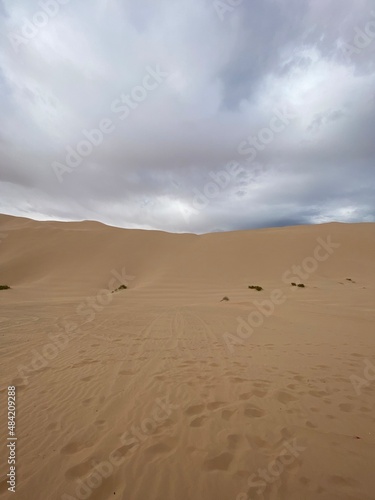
227, 79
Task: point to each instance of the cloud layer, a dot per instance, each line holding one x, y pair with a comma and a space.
219, 115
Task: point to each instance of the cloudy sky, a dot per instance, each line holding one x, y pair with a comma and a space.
188, 116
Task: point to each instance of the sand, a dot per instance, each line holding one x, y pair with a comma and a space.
163, 391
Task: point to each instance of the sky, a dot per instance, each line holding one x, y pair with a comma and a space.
189, 116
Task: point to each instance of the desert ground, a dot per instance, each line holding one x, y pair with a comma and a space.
165, 391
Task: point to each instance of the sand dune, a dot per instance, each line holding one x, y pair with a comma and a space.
162, 391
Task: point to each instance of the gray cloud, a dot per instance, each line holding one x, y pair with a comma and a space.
227, 78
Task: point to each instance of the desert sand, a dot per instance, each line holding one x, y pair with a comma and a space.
164, 391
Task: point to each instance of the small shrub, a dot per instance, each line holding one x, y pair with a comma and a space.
256, 287
122, 287
294, 284
301, 285
4, 287
225, 299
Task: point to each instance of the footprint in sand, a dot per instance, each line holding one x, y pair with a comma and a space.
72, 448
257, 442
318, 394
194, 409
346, 407
123, 450
84, 362
292, 386
262, 384
227, 414
86, 402
198, 421
233, 441
343, 481
365, 409
19, 382
158, 448
100, 424
304, 480
168, 423
215, 405
86, 440
238, 380
79, 471
285, 397
310, 425
254, 412
260, 394
245, 396
220, 462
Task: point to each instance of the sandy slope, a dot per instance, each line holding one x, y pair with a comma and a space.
155, 393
